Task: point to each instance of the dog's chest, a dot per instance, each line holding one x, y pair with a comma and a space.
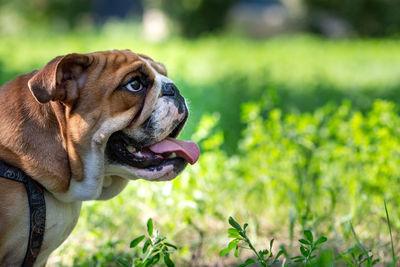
61, 218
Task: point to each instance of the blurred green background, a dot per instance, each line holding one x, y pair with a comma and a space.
294, 104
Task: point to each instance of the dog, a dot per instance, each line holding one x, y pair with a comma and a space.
82, 127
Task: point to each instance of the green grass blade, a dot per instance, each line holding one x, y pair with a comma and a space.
390, 232
358, 241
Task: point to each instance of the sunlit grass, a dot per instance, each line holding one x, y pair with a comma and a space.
289, 60
321, 171
306, 71
299, 163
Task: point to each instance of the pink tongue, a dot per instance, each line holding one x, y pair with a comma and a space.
185, 149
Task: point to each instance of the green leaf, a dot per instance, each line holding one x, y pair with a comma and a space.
308, 235
136, 241
138, 262
321, 240
168, 261
263, 252
123, 262
271, 243
150, 227
233, 243
237, 252
297, 257
346, 258
155, 259
235, 224
278, 255
171, 245
247, 262
305, 242
146, 245
225, 251
304, 251
146, 263
233, 233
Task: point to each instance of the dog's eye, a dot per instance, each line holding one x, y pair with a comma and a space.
134, 86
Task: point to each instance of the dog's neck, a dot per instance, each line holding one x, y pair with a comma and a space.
36, 131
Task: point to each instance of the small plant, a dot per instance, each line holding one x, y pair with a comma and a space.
308, 247
358, 255
264, 257
154, 248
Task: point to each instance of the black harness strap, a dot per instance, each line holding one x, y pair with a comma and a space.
37, 210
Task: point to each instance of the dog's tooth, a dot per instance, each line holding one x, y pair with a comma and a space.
131, 149
173, 155
139, 154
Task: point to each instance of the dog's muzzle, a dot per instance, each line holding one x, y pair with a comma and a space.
153, 146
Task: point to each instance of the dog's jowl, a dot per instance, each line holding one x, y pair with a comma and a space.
79, 129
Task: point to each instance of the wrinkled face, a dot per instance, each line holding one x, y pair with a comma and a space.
144, 114
119, 115
131, 113
146, 147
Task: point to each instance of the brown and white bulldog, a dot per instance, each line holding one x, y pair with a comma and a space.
82, 127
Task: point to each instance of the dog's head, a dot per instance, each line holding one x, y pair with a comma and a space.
119, 114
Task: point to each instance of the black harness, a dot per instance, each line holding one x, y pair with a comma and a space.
37, 210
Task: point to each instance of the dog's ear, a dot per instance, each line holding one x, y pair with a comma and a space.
60, 79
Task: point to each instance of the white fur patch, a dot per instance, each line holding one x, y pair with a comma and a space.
114, 188
90, 187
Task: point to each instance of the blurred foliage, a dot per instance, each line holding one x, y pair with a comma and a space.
60, 14
334, 151
318, 170
300, 164
195, 17
301, 72
367, 17
192, 17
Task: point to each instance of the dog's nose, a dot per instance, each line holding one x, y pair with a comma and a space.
168, 89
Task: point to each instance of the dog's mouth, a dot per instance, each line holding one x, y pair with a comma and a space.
170, 151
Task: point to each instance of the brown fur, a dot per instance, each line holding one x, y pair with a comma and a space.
47, 118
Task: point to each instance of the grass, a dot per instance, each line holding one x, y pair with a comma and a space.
391, 236
312, 250
315, 171
305, 71
294, 135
